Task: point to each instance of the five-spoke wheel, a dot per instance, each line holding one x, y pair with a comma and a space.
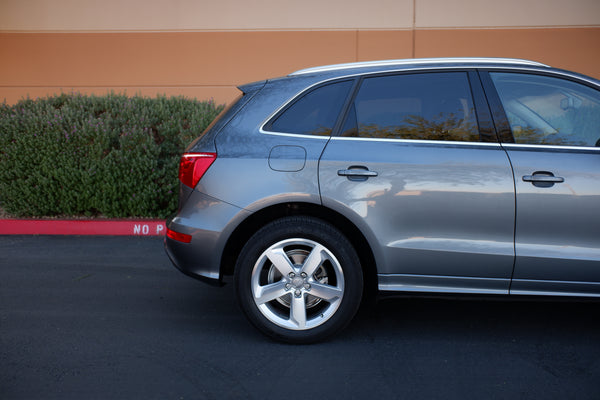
298, 279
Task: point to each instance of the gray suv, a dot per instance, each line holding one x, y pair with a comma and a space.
427, 175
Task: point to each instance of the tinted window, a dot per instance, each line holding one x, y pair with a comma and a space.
432, 106
549, 111
315, 113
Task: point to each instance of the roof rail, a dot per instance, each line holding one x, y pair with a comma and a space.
408, 61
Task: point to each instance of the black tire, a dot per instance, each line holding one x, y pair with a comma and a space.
313, 288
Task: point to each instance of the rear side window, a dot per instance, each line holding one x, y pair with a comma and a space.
429, 106
545, 110
315, 113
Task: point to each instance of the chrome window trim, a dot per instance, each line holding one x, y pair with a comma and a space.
419, 141
548, 147
295, 135
408, 141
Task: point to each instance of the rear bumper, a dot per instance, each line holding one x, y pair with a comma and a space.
176, 252
209, 222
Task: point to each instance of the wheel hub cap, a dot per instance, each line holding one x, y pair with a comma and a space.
298, 282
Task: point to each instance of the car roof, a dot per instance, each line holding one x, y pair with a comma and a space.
372, 66
304, 78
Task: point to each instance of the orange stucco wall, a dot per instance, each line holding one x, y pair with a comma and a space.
210, 64
569, 48
204, 49
197, 64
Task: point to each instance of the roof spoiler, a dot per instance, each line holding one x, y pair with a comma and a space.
252, 87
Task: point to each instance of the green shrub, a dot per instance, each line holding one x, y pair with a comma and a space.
112, 156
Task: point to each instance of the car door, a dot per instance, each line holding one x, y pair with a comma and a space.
429, 186
555, 122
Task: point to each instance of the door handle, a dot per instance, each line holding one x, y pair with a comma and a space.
543, 179
356, 173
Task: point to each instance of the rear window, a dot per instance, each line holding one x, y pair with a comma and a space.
314, 113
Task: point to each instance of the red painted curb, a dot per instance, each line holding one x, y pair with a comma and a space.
148, 227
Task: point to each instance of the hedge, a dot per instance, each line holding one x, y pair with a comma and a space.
109, 156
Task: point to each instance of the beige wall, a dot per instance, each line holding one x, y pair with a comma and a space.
204, 49
126, 15
506, 13
204, 14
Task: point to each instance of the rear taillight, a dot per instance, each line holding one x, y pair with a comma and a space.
180, 237
193, 165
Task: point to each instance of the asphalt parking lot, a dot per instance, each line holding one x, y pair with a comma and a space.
109, 317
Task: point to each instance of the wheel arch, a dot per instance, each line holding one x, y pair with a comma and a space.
260, 218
